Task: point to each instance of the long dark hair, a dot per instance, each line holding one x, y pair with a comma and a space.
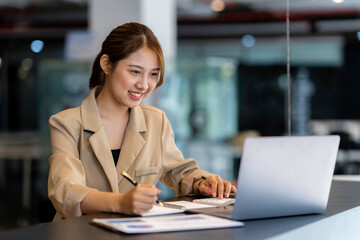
120, 43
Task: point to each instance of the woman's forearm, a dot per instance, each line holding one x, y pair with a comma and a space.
96, 201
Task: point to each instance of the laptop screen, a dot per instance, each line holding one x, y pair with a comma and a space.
281, 176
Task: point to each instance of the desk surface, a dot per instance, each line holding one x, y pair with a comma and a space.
343, 196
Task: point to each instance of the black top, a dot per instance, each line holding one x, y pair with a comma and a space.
115, 153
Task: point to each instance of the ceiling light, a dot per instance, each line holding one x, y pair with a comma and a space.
217, 5
338, 1
248, 41
37, 46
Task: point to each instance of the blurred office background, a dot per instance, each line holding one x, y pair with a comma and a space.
225, 74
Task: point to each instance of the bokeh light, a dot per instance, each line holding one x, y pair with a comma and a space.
248, 40
37, 46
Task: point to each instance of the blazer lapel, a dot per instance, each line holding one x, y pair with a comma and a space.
98, 141
133, 141
100, 145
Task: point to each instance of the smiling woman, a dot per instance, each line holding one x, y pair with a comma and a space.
130, 80
119, 44
111, 132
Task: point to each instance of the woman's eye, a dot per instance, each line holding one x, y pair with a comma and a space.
135, 72
154, 74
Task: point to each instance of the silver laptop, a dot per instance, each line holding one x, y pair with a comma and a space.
283, 176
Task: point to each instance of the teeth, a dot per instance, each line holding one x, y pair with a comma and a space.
135, 94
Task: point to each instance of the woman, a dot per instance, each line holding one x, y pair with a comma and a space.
110, 132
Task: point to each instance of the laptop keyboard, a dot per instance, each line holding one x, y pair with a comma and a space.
215, 201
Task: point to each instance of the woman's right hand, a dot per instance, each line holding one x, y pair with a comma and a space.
139, 200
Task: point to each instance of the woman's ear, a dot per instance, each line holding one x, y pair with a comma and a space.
105, 63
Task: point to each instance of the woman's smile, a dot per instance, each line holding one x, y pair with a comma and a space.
135, 95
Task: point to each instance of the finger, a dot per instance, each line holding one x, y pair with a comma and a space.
233, 189
214, 186
143, 208
147, 186
227, 188
220, 187
146, 195
139, 204
148, 200
150, 187
148, 190
146, 207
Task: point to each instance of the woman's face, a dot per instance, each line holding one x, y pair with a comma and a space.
133, 78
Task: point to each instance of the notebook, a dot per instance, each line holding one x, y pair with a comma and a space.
282, 176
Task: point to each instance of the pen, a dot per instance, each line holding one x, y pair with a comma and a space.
135, 183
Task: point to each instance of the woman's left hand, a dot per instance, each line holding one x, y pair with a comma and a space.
215, 187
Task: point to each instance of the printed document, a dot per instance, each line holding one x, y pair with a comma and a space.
165, 223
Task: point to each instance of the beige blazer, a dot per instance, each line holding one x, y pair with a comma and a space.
82, 159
